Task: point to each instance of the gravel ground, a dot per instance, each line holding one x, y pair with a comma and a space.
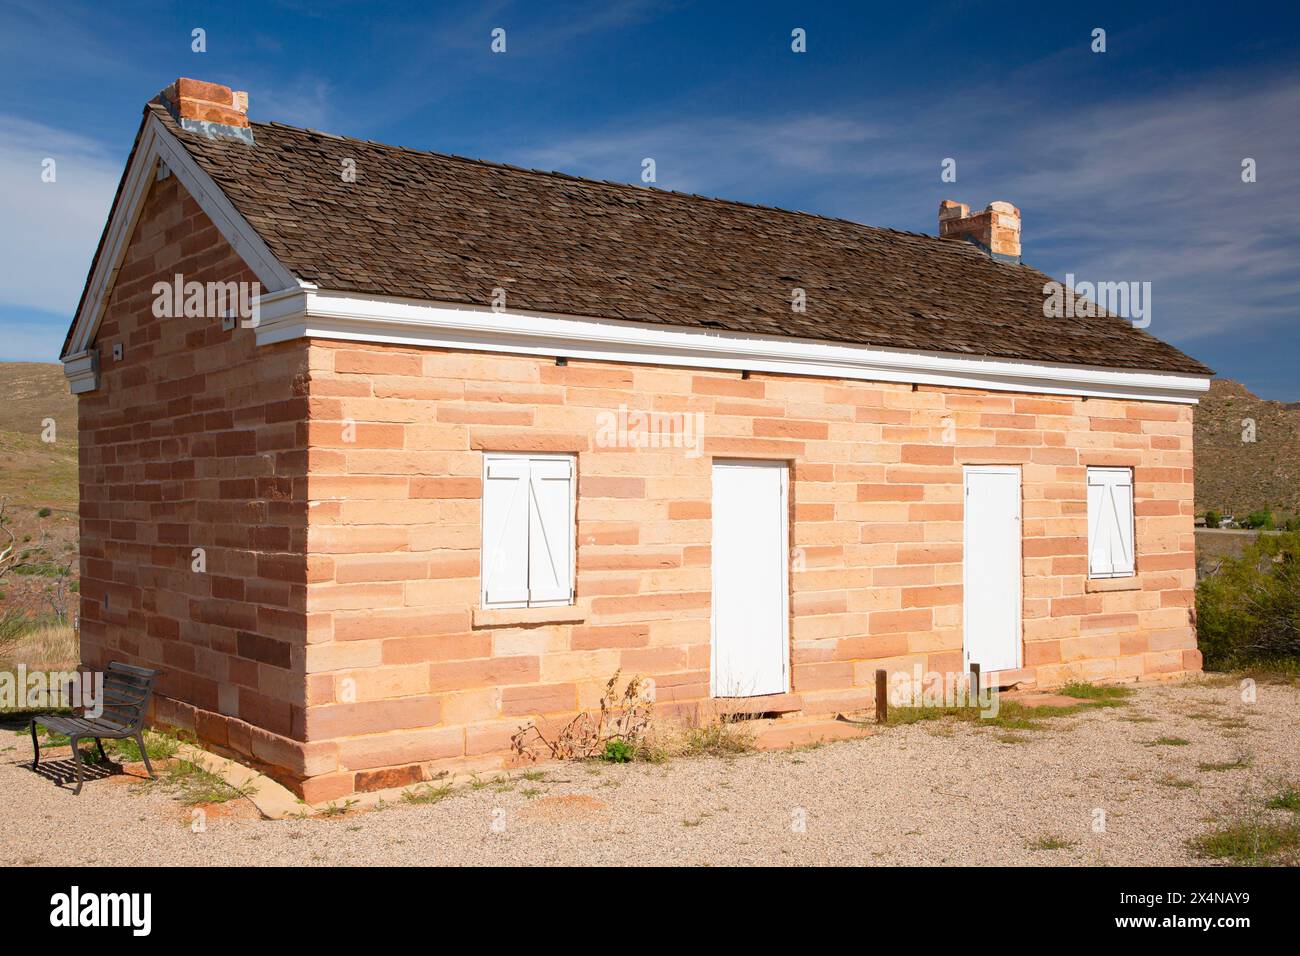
931, 793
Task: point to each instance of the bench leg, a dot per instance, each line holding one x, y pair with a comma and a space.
100, 744
36, 746
144, 754
76, 756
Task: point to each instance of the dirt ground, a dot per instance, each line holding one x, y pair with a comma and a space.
1133, 784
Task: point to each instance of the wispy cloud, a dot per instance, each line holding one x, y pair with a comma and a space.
1146, 188
52, 227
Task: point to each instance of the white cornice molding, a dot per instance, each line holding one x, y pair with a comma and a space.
307, 312
157, 145
82, 371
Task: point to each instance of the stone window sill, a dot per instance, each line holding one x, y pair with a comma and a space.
1112, 584
528, 616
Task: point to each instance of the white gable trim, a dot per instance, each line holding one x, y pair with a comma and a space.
316, 313
159, 148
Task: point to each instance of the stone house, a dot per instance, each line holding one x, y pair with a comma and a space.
385, 452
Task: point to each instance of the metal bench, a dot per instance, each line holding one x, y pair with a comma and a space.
127, 690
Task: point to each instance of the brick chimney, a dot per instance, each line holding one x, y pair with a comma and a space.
996, 230
209, 109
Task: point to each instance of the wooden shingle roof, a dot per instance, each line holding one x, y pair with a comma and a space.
437, 227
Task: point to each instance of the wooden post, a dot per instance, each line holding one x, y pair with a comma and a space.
882, 697
975, 684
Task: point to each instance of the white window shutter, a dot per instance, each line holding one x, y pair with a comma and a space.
1110, 522
1121, 497
550, 534
505, 532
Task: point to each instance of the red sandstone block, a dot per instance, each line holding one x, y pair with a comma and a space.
352, 569
1008, 421
690, 510
479, 415
609, 636
590, 486
422, 487
586, 376
786, 428
465, 675
927, 454
826, 676
467, 646
890, 492
327, 787
730, 387
378, 362
539, 699
894, 622
929, 554
873, 647
368, 717
490, 439
651, 603
1042, 652
402, 747
932, 596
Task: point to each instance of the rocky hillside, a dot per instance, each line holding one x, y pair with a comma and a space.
34, 470
1237, 476
38, 489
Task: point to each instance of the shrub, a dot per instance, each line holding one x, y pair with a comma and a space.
618, 751
1258, 519
1248, 611
44, 513
622, 717
1212, 518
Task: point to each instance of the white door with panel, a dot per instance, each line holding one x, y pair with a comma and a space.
991, 576
750, 578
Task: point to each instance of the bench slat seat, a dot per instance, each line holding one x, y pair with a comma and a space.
125, 703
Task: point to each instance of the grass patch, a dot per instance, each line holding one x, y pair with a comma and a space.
718, 738
1050, 841
192, 785
1288, 798
1169, 742
427, 793
1251, 843
1010, 715
1216, 766
1085, 691
157, 746
1178, 783
41, 644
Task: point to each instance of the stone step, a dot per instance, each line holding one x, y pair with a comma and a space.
800, 732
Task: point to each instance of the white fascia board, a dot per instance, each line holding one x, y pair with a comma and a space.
314, 313
158, 145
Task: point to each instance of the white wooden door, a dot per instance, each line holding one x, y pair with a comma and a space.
991, 575
750, 578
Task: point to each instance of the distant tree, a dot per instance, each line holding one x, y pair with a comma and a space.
1259, 519
1248, 610
1212, 518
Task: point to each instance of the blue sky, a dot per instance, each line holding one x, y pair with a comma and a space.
1126, 164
